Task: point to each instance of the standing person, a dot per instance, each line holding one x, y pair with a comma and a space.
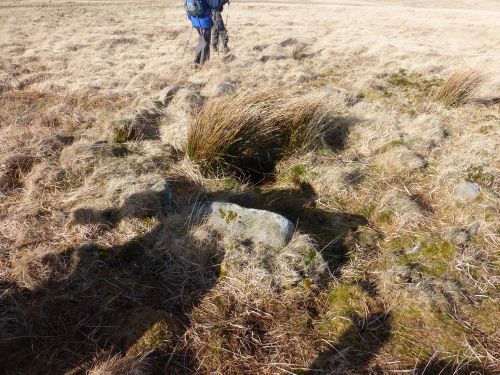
199, 13
219, 30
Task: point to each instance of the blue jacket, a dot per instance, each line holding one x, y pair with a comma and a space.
205, 21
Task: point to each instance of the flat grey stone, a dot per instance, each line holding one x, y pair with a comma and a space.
467, 191
251, 224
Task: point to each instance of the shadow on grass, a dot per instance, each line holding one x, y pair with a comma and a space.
105, 299
331, 230
442, 367
357, 346
138, 296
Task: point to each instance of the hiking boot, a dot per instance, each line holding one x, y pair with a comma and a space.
215, 47
226, 49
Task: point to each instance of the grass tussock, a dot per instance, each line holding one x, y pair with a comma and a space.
252, 129
459, 87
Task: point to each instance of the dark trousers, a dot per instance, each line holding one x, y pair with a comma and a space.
203, 46
219, 30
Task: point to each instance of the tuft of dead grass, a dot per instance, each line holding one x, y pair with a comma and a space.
459, 88
251, 129
117, 365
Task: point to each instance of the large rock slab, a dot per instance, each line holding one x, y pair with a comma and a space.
258, 226
467, 191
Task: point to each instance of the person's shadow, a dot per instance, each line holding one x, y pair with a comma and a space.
105, 298
357, 346
139, 295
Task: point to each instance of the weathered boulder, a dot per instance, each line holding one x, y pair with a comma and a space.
147, 195
466, 192
168, 93
257, 226
260, 247
225, 88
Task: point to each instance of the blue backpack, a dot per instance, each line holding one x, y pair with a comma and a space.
194, 8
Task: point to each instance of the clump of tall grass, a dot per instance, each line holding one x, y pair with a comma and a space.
249, 131
459, 88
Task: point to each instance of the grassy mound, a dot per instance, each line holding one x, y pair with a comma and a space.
248, 132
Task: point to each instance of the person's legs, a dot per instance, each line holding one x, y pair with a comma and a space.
222, 31
203, 46
199, 45
215, 32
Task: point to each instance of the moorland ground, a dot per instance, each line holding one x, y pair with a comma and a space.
104, 269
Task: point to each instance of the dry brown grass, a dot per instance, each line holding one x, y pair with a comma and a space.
459, 88
126, 292
252, 129
117, 365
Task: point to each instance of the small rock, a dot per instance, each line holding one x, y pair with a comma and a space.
257, 226
473, 229
349, 100
288, 42
467, 191
225, 88
332, 90
167, 94
461, 236
415, 248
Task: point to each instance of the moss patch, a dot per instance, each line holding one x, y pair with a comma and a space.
432, 256
347, 303
419, 332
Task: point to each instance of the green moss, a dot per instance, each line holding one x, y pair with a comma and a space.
384, 217
230, 183
309, 256
347, 304
297, 174
345, 299
414, 86
418, 332
367, 211
157, 338
228, 216
223, 271
433, 258
307, 283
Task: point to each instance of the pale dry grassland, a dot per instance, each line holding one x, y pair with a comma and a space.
101, 273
